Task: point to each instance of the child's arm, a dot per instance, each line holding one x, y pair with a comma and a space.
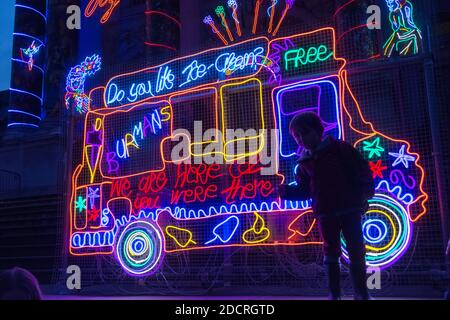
297, 192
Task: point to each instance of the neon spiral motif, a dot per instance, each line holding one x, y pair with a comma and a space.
387, 232
139, 248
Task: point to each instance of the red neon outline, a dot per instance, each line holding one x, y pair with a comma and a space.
159, 45
161, 13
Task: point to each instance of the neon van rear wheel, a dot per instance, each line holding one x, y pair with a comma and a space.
139, 248
387, 232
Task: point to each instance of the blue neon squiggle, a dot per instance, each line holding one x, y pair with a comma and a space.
93, 239
274, 3
397, 190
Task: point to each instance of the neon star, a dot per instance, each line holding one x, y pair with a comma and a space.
402, 157
373, 148
92, 195
80, 204
93, 214
377, 169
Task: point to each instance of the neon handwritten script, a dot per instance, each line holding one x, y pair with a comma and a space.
93, 5
240, 60
301, 57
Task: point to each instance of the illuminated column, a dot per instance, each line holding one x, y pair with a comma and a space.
28, 60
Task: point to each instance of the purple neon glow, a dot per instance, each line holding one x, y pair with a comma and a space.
208, 20
290, 3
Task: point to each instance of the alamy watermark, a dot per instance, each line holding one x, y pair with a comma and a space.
73, 21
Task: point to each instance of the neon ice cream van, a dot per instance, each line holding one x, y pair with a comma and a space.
133, 199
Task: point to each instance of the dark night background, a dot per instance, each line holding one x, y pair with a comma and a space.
36, 163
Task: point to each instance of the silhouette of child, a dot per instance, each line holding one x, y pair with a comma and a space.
339, 181
19, 284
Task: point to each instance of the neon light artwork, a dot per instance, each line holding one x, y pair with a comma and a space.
220, 231
234, 7
256, 15
93, 5
131, 199
220, 11
373, 148
209, 21
302, 57
406, 38
377, 169
271, 14
75, 95
387, 231
140, 248
402, 158
289, 5
30, 52
217, 65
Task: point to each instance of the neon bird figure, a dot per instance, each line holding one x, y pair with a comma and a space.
406, 38
76, 78
30, 52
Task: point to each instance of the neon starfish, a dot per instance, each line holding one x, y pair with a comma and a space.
377, 169
93, 214
373, 147
402, 157
92, 195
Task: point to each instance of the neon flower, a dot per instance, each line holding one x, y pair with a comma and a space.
220, 11
75, 83
209, 21
30, 52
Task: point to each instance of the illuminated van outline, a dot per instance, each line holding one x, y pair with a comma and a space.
147, 235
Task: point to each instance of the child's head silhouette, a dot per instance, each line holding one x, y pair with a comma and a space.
19, 284
307, 130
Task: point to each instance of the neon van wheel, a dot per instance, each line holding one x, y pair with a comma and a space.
139, 248
387, 232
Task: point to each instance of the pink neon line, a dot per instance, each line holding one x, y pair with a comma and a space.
151, 44
178, 23
342, 7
